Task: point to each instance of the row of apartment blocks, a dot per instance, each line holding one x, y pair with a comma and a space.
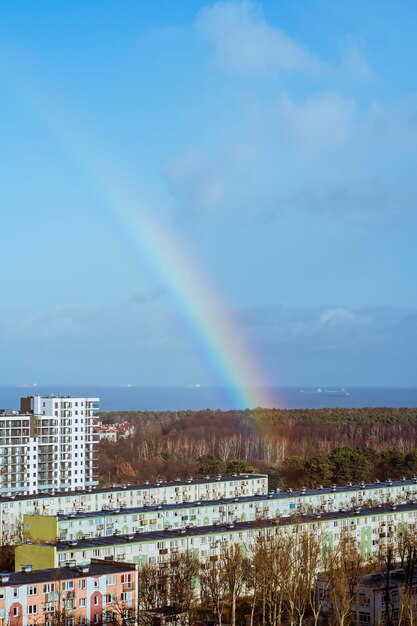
372, 528
125, 497
202, 502
97, 593
205, 512
49, 445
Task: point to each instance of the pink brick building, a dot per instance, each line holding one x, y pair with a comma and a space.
103, 592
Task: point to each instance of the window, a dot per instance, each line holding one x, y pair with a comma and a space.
15, 611
68, 604
49, 607
126, 578
32, 609
82, 584
15, 592
95, 600
111, 580
82, 603
96, 582
68, 584
95, 620
48, 587
32, 590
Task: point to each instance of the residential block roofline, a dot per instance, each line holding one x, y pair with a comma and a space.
97, 567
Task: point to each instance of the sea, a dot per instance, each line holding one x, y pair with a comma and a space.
136, 398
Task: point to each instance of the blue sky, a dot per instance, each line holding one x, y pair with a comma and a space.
275, 141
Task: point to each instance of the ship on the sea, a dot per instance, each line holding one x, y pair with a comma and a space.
337, 392
329, 392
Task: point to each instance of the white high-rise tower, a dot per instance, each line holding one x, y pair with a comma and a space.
50, 445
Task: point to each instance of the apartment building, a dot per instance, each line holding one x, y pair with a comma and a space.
63, 428
116, 518
98, 593
372, 528
113, 432
379, 598
13, 508
49, 445
159, 517
18, 458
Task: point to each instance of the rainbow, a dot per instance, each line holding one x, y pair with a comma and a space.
217, 335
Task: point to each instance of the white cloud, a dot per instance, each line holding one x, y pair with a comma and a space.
355, 64
198, 177
310, 147
319, 123
318, 154
316, 328
139, 342
338, 316
245, 42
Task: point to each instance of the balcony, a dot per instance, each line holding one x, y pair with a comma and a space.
52, 596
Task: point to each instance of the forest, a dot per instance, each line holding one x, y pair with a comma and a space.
295, 447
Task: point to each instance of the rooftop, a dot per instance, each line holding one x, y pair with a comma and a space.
61, 397
405, 482
96, 568
273, 496
130, 487
379, 580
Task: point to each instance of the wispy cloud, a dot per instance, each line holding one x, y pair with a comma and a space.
305, 146
320, 155
244, 41
335, 345
354, 63
139, 342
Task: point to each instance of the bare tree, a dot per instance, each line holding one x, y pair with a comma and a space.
120, 613
183, 575
344, 568
213, 587
151, 592
234, 564
269, 566
304, 561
